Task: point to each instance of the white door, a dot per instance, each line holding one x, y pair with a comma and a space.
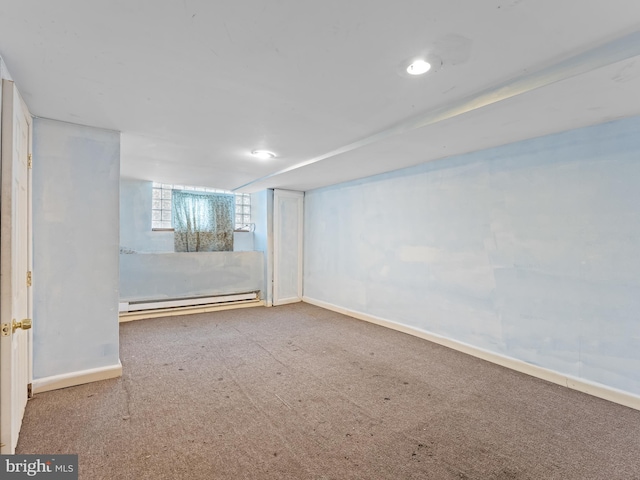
287, 246
15, 258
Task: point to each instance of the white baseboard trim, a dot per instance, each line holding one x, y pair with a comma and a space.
287, 301
592, 388
72, 379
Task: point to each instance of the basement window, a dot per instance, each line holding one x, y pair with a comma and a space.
162, 214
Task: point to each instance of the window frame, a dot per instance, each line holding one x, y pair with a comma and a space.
164, 217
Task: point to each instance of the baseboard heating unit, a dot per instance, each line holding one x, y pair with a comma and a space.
171, 303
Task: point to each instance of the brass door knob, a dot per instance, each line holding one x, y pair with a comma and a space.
24, 324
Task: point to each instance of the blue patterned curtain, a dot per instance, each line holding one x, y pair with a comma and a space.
203, 222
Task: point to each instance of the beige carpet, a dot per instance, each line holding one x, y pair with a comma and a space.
298, 392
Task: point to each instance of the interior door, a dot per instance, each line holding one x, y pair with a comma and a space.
15, 257
287, 246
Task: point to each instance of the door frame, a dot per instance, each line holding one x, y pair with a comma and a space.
9, 97
299, 196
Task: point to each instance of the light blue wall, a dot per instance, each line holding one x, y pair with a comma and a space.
75, 247
135, 219
157, 272
262, 218
154, 276
529, 250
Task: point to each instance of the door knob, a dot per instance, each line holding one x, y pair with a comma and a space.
24, 324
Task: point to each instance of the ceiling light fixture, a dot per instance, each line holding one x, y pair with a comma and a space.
418, 67
263, 154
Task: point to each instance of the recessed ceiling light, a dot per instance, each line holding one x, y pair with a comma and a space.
263, 154
418, 67
419, 64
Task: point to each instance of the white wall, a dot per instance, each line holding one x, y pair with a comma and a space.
75, 246
529, 250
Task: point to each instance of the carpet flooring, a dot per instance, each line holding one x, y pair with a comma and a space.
299, 392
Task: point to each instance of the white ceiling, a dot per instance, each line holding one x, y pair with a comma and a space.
195, 85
